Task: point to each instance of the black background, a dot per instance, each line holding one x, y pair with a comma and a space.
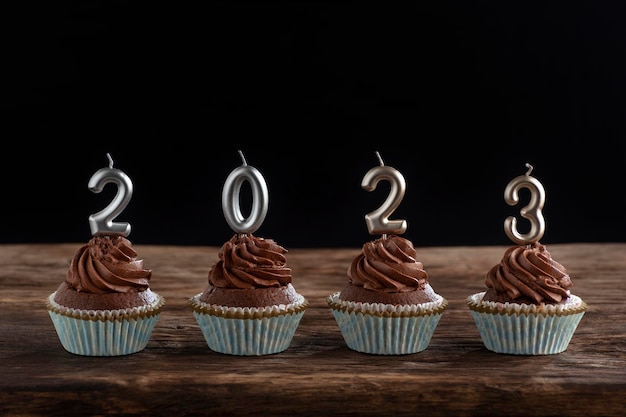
456, 95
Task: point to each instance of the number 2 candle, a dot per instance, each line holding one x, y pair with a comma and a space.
101, 223
378, 220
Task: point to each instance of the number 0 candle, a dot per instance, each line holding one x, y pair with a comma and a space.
101, 223
532, 211
231, 202
378, 220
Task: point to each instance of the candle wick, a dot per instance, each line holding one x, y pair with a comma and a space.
110, 160
380, 159
243, 159
530, 168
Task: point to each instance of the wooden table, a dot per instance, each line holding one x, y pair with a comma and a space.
177, 374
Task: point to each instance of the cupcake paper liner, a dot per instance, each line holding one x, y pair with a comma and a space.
104, 332
386, 329
248, 331
523, 329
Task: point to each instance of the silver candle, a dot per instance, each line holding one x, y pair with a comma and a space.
532, 211
101, 223
231, 204
378, 220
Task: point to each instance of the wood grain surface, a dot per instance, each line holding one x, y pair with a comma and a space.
178, 375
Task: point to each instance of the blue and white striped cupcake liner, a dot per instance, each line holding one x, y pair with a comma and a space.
248, 331
386, 329
525, 329
104, 332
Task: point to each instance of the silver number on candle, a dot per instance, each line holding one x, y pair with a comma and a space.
101, 223
231, 204
532, 211
378, 220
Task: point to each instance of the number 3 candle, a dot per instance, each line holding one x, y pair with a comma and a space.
531, 212
101, 223
378, 220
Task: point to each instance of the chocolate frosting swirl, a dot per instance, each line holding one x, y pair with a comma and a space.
107, 264
528, 274
388, 264
246, 261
